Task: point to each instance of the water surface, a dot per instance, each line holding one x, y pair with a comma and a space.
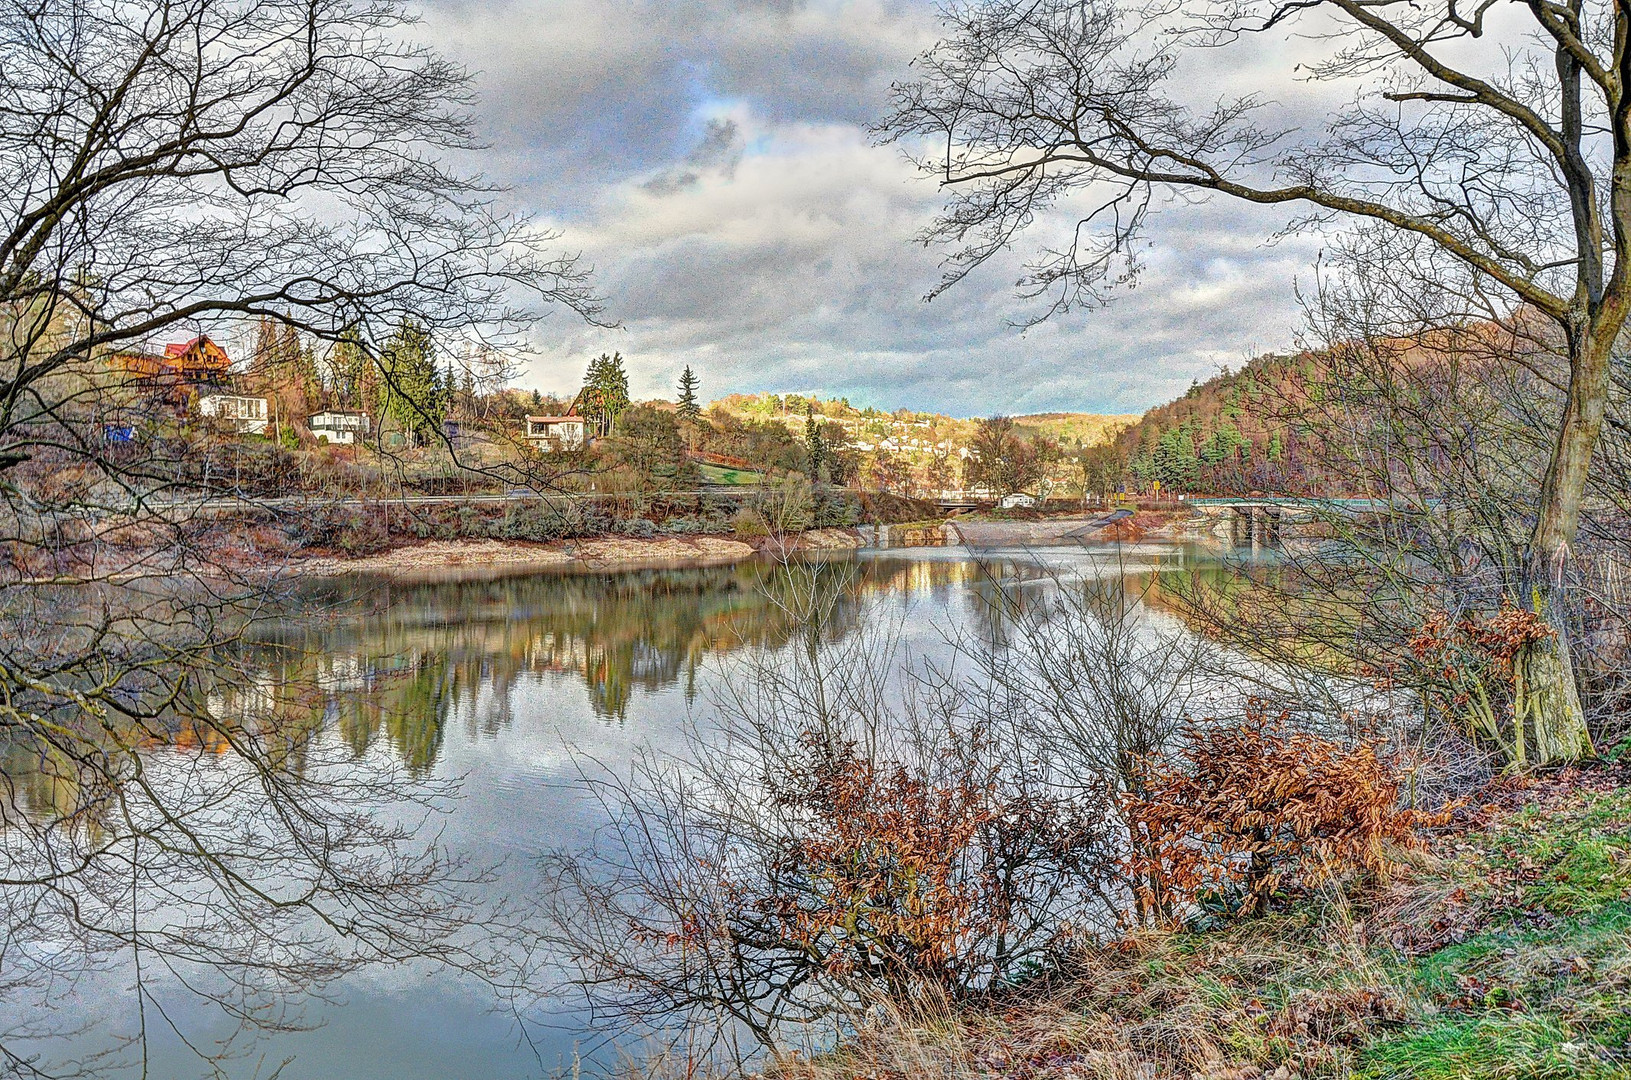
513, 686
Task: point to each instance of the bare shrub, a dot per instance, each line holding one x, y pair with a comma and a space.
820, 844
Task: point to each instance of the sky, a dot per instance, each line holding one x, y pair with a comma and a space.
711, 160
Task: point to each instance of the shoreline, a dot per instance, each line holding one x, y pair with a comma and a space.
438, 557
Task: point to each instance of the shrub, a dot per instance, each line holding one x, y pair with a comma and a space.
1251, 811
688, 525
907, 879
541, 523
1467, 667
749, 524
346, 529
639, 528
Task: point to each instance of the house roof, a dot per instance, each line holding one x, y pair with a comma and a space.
567, 419
174, 349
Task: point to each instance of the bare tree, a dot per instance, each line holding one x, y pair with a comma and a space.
833, 832
1486, 157
170, 168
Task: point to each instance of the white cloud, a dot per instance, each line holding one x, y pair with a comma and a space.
710, 158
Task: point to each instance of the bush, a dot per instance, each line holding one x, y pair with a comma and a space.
346, 529
689, 525
1252, 811
639, 528
749, 524
541, 523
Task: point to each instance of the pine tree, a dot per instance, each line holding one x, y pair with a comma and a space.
266, 345
813, 443
311, 378
411, 393
351, 372
605, 394
287, 364
688, 407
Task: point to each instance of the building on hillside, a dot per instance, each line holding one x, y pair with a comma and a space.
199, 360
245, 415
556, 434
338, 426
177, 375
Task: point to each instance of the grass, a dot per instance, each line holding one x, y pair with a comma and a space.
720, 474
1503, 951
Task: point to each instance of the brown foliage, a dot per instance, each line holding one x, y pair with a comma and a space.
899, 876
1469, 669
1253, 810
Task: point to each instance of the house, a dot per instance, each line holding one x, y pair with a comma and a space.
555, 434
245, 415
199, 360
338, 426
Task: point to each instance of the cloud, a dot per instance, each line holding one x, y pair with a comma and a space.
710, 158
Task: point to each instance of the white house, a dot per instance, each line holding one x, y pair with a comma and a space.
245, 415
343, 428
553, 434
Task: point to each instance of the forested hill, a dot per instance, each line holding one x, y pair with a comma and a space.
1240, 430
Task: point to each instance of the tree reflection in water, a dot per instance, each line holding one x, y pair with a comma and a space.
397, 661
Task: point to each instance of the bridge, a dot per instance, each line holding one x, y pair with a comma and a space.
1257, 519
1311, 503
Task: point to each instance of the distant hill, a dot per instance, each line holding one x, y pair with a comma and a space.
1076, 429
874, 426
911, 452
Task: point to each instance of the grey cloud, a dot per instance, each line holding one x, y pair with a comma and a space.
719, 151
709, 157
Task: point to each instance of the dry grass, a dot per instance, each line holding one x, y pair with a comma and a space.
1503, 951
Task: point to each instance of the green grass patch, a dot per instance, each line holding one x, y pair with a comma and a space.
1494, 1047
720, 474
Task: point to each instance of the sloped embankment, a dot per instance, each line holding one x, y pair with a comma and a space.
1503, 950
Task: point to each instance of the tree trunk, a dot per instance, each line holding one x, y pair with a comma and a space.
1553, 710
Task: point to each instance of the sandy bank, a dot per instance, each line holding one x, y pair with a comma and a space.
437, 556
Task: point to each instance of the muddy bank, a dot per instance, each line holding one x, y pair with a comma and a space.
593, 553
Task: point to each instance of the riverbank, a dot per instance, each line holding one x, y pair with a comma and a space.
592, 553
1502, 949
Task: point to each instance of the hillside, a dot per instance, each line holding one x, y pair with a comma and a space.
913, 452
905, 425
1239, 430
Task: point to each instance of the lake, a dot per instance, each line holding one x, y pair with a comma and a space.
514, 686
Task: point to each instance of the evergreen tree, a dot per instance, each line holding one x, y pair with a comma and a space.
311, 378
813, 444
266, 345
411, 395
350, 372
605, 394
287, 364
688, 407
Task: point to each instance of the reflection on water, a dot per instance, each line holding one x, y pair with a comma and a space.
499, 682
395, 662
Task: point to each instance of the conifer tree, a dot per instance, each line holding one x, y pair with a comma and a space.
350, 372
605, 394
410, 392
688, 407
266, 346
813, 443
